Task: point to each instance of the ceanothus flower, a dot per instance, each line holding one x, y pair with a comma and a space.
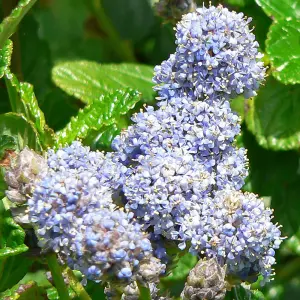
216, 57
206, 131
236, 229
109, 244
105, 167
163, 187
74, 215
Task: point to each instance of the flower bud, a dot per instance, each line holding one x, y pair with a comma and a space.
205, 281
150, 270
25, 171
173, 10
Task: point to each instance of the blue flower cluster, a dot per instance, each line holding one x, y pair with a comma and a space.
236, 229
183, 161
205, 131
178, 155
216, 57
72, 208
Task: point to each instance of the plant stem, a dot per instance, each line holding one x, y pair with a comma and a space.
76, 285
58, 279
120, 47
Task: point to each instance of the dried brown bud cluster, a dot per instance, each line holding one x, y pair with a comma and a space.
205, 281
25, 170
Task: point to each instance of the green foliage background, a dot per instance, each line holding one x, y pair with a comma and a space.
81, 68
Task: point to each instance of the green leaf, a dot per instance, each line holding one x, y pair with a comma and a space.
12, 265
5, 57
11, 235
3, 184
144, 292
35, 114
280, 9
10, 23
102, 139
52, 294
283, 48
88, 81
273, 116
6, 143
182, 268
242, 293
22, 130
23, 99
102, 112
25, 291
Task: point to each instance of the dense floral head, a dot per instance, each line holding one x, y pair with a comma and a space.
216, 57
163, 187
74, 214
205, 131
236, 229
109, 244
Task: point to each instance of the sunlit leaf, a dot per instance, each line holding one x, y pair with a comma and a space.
283, 48
88, 81
273, 116
102, 112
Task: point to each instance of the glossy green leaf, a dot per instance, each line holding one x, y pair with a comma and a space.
12, 264
280, 9
6, 143
12, 235
23, 99
88, 81
10, 23
13, 269
102, 112
182, 268
25, 291
18, 127
273, 116
283, 48
243, 293
5, 57
35, 114
101, 139
52, 294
